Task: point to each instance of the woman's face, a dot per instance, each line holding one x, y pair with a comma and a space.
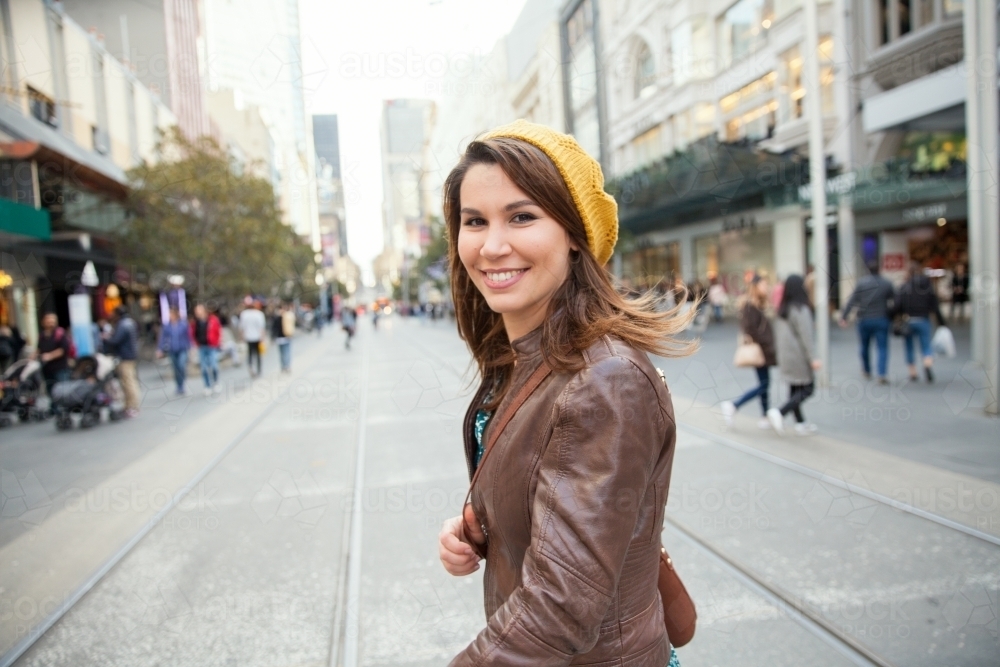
516, 254
762, 289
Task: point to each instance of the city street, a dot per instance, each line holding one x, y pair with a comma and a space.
230, 530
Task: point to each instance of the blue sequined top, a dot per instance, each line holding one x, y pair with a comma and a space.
482, 419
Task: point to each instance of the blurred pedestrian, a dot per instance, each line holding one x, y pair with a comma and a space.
253, 324
959, 292
755, 325
6, 348
175, 342
318, 321
349, 322
123, 342
206, 332
796, 354
873, 297
717, 298
53, 351
916, 301
282, 330
552, 337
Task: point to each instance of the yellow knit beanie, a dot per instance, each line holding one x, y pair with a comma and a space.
583, 178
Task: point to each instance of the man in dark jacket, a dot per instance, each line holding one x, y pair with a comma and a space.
53, 351
873, 297
123, 342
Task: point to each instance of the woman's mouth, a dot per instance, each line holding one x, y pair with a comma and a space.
502, 279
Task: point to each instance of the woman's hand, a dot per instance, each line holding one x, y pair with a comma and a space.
458, 557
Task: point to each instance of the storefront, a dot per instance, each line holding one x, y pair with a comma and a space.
698, 216
934, 234
769, 242
649, 263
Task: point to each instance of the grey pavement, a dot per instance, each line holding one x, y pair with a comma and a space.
253, 569
940, 424
78, 459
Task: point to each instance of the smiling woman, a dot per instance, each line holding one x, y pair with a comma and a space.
510, 206
569, 508
516, 254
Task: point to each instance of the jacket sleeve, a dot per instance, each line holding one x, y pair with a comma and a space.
214, 331
900, 301
608, 433
750, 322
852, 301
936, 305
118, 337
802, 321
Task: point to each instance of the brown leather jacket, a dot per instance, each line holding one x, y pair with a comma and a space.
572, 501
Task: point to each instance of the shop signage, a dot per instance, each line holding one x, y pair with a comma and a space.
927, 212
893, 261
838, 185
739, 224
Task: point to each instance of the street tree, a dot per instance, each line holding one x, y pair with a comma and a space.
201, 213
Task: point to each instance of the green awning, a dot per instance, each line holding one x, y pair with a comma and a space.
24, 220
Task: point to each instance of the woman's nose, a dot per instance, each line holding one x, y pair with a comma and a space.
497, 244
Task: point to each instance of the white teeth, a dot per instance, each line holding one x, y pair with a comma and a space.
500, 277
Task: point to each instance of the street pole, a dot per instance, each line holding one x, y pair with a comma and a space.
984, 212
817, 182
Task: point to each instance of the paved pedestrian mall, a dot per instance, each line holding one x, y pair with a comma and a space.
875, 541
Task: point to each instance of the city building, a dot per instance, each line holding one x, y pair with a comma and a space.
158, 42
521, 77
73, 120
584, 76
707, 136
910, 198
330, 188
405, 131
253, 48
242, 128
337, 263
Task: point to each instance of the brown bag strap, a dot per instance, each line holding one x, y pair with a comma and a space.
522, 395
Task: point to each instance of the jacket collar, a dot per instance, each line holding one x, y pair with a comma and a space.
528, 346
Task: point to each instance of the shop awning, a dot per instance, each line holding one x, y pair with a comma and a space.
708, 179
24, 220
67, 165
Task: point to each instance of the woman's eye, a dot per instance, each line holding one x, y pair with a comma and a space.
523, 217
474, 222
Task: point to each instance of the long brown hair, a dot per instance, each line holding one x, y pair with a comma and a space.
583, 309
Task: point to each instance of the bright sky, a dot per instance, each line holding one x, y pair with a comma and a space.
358, 53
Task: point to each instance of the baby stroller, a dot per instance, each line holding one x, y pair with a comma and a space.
21, 396
92, 387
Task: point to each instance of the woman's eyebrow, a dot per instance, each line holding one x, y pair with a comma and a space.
519, 204
470, 211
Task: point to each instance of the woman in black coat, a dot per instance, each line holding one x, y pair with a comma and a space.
916, 301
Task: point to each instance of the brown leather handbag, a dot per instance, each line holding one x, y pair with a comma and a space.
679, 614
